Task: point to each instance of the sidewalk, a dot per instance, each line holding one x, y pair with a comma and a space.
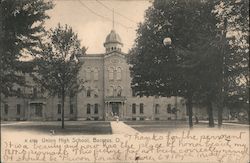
14, 123
121, 128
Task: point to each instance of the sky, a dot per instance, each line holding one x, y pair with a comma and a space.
92, 20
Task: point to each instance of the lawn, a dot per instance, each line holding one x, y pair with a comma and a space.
71, 127
166, 126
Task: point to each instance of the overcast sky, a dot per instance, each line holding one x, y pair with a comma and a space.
92, 20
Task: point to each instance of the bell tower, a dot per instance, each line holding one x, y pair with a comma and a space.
113, 40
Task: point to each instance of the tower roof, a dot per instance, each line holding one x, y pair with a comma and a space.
113, 37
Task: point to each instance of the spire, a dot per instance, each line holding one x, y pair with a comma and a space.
113, 20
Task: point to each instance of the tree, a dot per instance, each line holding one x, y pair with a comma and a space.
58, 65
174, 70
233, 23
21, 27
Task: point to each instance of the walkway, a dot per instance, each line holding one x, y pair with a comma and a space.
121, 128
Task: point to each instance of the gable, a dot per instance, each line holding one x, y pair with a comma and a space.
115, 54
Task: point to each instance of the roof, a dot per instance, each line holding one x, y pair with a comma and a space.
94, 55
113, 37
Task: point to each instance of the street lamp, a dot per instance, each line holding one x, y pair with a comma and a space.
167, 41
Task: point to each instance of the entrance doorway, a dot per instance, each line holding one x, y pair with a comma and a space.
115, 108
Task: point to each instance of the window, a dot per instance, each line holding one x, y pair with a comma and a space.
38, 110
111, 73
119, 91
169, 108
96, 109
88, 92
87, 74
157, 108
35, 92
133, 93
18, 92
18, 109
88, 108
141, 108
96, 92
59, 110
95, 74
134, 108
119, 74
71, 108
6, 108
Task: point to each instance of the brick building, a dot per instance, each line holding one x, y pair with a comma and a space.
107, 93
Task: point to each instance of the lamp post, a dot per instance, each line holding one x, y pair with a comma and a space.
167, 42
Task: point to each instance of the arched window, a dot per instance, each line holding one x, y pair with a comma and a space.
6, 109
95, 74
111, 73
88, 108
157, 107
169, 108
119, 73
88, 92
141, 108
87, 73
59, 109
134, 108
119, 91
96, 109
35, 92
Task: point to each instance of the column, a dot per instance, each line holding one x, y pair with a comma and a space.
43, 112
107, 110
122, 110
28, 111
104, 112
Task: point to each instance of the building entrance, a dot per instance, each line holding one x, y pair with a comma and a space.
115, 108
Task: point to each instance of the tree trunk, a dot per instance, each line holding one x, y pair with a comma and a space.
210, 114
248, 115
220, 111
190, 111
63, 99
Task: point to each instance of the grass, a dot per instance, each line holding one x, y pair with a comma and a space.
71, 127
166, 126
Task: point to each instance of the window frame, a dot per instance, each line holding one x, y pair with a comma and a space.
157, 110
59, 109
88, 109
6, 109
133, 108
18, 109
141, 108
96, 109
71, 109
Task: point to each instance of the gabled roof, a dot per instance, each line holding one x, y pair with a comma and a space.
112, 53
